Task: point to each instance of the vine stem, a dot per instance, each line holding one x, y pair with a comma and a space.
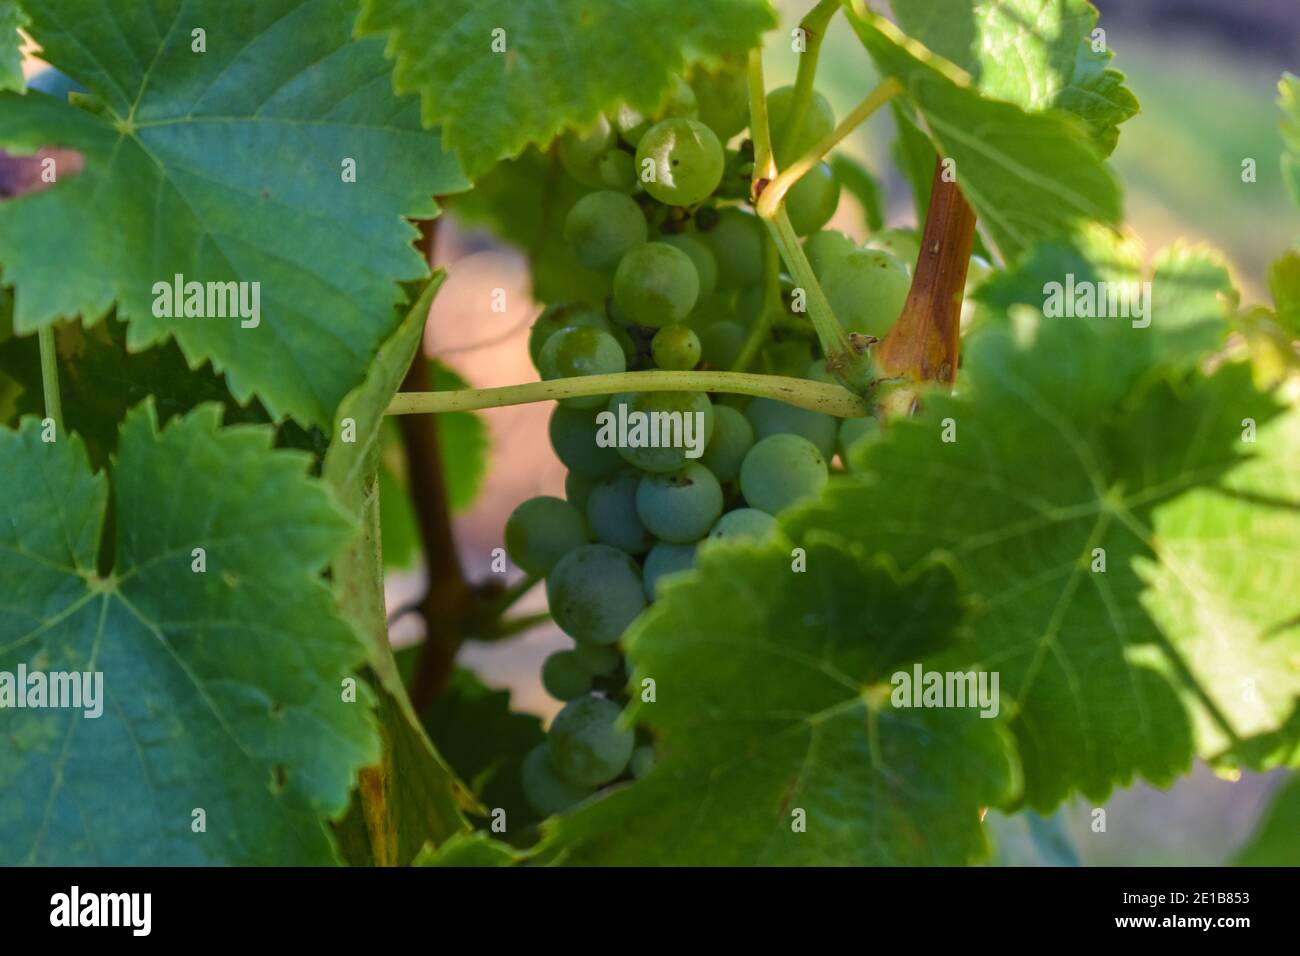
775, 191
814, 26
50, 375
764, 161
815, 396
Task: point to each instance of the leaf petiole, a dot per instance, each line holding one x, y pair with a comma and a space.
50, 375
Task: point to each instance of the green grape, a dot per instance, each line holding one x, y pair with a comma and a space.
721, 344
556, 317
680, 506
780, 470
587, 746
656, 285
826, 247
573, 436
675, 347
733, 436
544, 789
706, 267
601, 227
680, 161
598, 658
581, 151
581, 351
818, 122
577, 488
565, 677
856, 433
866, 290
676, 419
737, 244
767, 416
812, 201
612, 515
643, 759
631, 125
741, 525
723, 100
617, 170
541, 531
594, 592
665, 558
902, 244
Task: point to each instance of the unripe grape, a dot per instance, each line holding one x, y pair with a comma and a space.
675, 347
680, 506
594, 592
674, 413
581, 152
826, 247
736, 242
643, 760
812, 201
541, 531
866, 290
544, 789
579, 351
818, 122
617, 170
656, 285
598, 659
665, 558
613, 517
587, 746
602, 226
733, 437
559, 316
706, 267
577, 488
903, 244
723, 100
767, 416
680, 161
573, 436
742, 524
565, 677
781, 470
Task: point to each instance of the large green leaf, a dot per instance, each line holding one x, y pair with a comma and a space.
225, 165
223, 691
1037, 54
1029, 176
11, 57
1276, 841
499, 75
773, 696
1065, 443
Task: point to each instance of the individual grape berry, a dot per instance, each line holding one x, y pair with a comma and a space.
612, 515
723, 100
578, 351
588, 748
733, 437
902, 244
598, 659
577, 488
742, 524
767, 416
867, 290
541, 531
581, 151
677, 420
825, 247
675, 347
680, 506
736, 241
856, 433
565, 677
544, 789
602, 226
573, 436
680, 161
656, 285
665, 558
721, 344
781, 470
617, 170
811, 202
556, 317
594, 592
643, 759
818, 122
706, 267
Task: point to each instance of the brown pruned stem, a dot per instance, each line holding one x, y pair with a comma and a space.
924, 344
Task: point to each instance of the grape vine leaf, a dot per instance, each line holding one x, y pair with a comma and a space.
1289, 101
774, 698
499, 76
228, 165
12, 19
469, 849
1037, 54
1029, 176
221, 690
1276, 840
1284, 284
1066, 444
411, 797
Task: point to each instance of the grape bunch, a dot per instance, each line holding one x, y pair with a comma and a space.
665, 218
